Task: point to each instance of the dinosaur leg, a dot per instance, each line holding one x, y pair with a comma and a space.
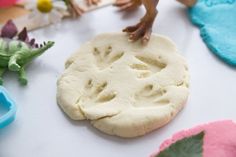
2, 71
13, 65
22, 76
128, 4
143, 29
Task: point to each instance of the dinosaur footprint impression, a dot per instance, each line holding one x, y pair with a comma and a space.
105, 57
122, 88
97, 92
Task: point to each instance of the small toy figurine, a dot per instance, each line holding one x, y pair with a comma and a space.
15, 54
9, 104
143, 29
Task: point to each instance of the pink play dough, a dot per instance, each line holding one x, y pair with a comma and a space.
219, 139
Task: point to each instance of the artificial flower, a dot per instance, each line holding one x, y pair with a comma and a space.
44, 12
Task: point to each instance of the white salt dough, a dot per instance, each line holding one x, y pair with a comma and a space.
124, 88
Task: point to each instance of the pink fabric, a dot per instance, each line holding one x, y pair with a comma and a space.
219, 139
7, 3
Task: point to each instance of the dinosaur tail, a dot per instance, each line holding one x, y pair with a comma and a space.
42, 49
46, 46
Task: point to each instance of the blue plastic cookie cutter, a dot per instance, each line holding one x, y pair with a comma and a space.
9, 104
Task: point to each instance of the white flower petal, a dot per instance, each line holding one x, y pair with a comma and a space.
30, 6
37, 20
34, 13
43, 20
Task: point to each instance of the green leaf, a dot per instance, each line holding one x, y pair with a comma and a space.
187, 147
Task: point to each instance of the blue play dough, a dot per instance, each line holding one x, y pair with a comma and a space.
217, 22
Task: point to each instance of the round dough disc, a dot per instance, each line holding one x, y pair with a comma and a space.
124, 88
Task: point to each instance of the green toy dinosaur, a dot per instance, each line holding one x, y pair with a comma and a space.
15, 54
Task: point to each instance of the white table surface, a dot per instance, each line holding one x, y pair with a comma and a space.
42, 130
